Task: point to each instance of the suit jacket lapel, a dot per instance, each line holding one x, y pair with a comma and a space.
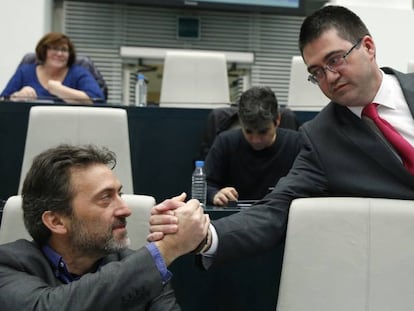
364, 138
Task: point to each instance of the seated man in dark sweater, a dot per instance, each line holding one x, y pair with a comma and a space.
244, 163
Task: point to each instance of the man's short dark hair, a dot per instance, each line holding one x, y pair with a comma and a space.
348, 25
258, 107
47, 184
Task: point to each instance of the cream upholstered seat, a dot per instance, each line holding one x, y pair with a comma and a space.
410, 66
348, 254
138, 222
194, 79
12, 225
303, 95
103, 126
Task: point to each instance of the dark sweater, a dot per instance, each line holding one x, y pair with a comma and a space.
232, 162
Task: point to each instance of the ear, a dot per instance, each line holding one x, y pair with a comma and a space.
369, 45
56, 223
277, 120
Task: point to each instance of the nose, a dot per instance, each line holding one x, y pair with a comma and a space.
122, 208
255, 139
330, 74
59, 51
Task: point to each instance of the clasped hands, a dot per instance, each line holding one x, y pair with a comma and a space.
177, 227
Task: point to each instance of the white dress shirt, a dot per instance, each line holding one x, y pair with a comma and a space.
392, 107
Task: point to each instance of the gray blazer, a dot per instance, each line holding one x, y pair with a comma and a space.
127, 280
341, 156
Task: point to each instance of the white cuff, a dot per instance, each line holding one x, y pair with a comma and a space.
214, 243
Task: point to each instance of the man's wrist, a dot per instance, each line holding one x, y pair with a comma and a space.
159, 261
204, 245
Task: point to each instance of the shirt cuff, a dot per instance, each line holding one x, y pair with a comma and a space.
159, 262
214, 243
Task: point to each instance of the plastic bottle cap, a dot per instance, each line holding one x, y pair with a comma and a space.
140, 76
199, 163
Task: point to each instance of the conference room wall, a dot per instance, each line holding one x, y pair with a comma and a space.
23, 22
100, 29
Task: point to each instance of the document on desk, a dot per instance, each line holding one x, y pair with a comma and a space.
241, 203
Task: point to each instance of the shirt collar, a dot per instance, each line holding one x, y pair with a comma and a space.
385, 95
59, 266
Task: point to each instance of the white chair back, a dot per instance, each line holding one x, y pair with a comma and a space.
303, 95
194, 79
410, 66
53, 125
12, 226
138, 222
348, 254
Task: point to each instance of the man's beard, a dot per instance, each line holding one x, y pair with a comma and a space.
96, 242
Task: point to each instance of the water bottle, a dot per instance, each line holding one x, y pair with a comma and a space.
140, 91
199, 183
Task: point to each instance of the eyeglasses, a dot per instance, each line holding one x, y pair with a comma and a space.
57, 49
334, 64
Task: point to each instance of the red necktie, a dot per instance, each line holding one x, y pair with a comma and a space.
401, 146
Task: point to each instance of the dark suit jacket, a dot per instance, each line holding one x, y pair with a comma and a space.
341, 156
127, 280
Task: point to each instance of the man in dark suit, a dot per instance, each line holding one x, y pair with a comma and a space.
343, 155
79, 259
